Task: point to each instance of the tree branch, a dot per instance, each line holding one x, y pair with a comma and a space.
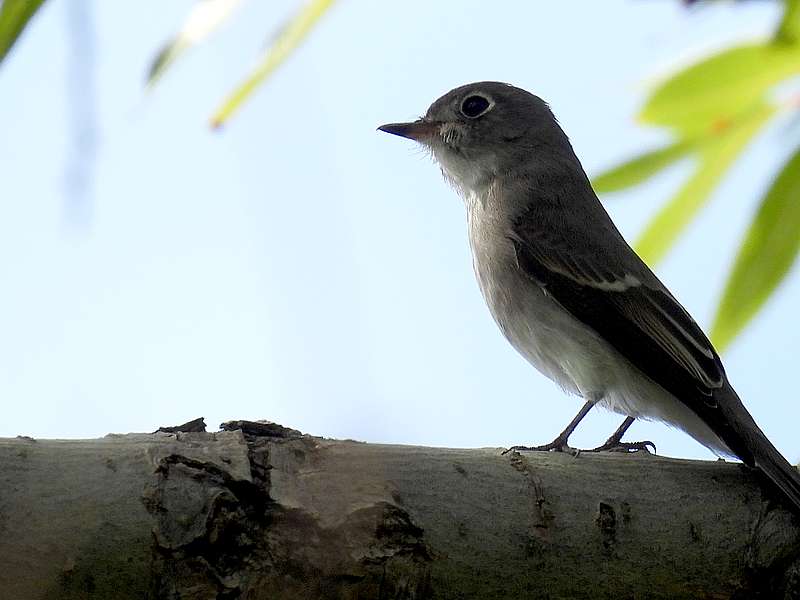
263, 511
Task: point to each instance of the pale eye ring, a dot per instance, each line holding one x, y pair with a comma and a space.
475, 105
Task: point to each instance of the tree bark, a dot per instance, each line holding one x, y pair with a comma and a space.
261, 511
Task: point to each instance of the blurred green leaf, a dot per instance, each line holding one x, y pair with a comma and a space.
288, 38
14, 16
715, 156
767, 253
789, 29
639, 169
202, 21
712, 92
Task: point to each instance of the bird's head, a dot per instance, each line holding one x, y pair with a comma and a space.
481, 130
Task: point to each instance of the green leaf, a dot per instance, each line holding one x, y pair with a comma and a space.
202, 21
715, 157
14, 16
165, 57
639, 169
789, 29
767, 253
289, 37
711, 93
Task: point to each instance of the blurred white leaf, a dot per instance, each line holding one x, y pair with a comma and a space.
203, 20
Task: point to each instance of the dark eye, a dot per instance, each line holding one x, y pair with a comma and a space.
474, 106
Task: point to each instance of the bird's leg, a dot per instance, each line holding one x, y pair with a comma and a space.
560, 443
615, 443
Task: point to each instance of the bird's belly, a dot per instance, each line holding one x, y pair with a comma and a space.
550, 338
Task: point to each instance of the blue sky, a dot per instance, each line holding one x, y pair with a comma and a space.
300, 267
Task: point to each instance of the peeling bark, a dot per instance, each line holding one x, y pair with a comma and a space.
261, 511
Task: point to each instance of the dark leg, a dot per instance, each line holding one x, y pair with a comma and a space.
560, 443
612, 444
615, 443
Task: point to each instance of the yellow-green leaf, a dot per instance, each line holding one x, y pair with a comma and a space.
712, 92
14, 16
715, 156
202, 21
767, 253
639, 169
284, 43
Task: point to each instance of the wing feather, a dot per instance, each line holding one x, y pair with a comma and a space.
613, 292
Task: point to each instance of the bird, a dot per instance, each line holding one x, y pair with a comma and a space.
566, 289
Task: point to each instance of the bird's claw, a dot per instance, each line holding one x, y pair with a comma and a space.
557, 445
617, 446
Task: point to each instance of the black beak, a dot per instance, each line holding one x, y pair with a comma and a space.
416, 130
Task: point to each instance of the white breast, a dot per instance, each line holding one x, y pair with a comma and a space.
543, 332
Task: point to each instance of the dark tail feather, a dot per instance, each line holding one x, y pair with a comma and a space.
749, 443
783, 475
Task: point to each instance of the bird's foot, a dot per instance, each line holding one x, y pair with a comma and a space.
618, 446
557, 445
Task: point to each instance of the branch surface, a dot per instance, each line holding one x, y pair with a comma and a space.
263, 511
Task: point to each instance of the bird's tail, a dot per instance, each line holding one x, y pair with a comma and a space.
751, 445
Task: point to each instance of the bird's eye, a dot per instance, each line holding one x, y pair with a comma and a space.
474, 106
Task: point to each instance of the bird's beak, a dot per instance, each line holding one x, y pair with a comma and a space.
419, 130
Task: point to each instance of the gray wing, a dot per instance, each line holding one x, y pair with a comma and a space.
592, 272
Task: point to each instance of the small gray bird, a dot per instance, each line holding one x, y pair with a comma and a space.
566, 289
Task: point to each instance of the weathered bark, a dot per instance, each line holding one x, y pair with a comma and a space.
269, 513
